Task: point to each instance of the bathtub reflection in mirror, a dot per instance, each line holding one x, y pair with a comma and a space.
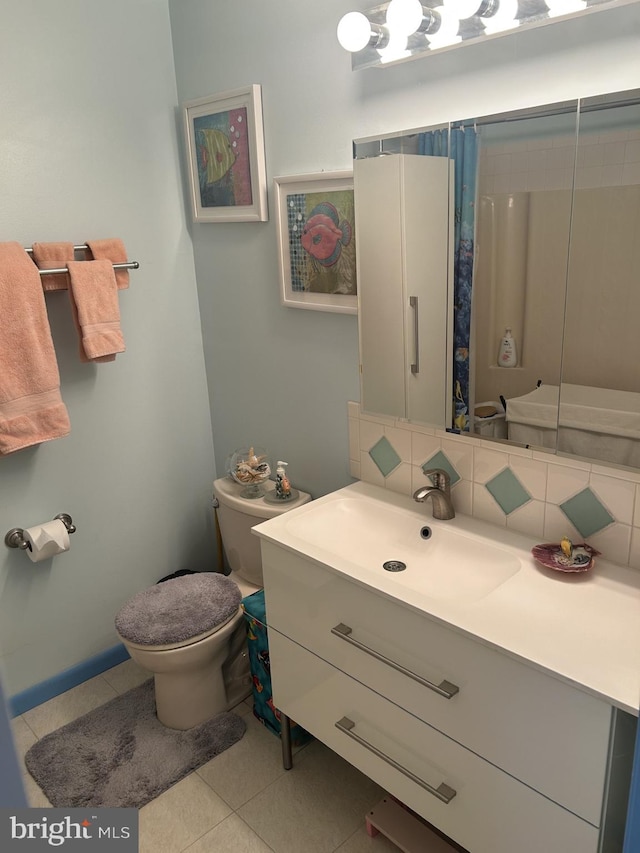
557, 261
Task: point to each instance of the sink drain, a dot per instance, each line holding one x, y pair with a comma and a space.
394, 566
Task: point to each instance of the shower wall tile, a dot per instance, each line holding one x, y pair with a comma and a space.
606, 159
547, 480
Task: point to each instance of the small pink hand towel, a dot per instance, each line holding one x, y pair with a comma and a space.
51, 256
94, 304
111, 250
31, 408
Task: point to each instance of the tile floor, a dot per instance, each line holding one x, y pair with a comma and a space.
241, 801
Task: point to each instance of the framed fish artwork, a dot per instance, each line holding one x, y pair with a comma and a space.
316, 235
225, 156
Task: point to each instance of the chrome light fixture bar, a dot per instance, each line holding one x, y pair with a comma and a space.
400, 30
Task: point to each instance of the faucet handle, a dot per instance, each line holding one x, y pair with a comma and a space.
440, 478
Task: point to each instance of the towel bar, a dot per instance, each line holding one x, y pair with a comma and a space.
128, 265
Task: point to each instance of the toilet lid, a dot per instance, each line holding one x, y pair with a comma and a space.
178, 609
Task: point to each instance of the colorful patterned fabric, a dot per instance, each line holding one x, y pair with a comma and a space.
461, 144
258, 645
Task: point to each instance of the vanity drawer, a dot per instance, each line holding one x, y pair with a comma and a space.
532, 725
467, 798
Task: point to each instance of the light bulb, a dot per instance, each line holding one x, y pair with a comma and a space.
404, 17
395, 49
564, 7
504, 18
447, 32
354, 31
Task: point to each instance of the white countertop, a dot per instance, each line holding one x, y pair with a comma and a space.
583, 628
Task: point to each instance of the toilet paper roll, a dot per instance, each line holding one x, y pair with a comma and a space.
46, 540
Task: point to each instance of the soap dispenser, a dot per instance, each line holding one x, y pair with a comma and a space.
283, 486
507, 354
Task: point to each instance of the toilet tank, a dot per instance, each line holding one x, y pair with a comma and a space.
237, 515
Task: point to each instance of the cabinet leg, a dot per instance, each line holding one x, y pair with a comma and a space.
285, 737
371, 830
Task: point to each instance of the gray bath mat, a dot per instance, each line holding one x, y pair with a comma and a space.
120, 755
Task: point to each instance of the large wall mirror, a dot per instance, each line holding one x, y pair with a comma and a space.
546, 244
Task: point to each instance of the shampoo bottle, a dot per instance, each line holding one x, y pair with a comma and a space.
507, 355
283, 486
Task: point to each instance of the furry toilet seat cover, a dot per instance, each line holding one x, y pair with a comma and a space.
178, 609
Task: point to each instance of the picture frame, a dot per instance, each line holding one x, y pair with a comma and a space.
316, 241
225, 156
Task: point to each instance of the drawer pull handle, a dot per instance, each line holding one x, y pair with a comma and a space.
443, 792
445, 688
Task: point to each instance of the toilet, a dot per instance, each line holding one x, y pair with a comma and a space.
189, 631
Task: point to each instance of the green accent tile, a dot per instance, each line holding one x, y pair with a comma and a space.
439, 460
384, 456
507, 491
586, 513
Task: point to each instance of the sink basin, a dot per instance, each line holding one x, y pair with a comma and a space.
449, 564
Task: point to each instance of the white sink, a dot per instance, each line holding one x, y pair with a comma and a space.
449, 564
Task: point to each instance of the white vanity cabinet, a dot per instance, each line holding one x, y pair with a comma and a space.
403, 258
500, 756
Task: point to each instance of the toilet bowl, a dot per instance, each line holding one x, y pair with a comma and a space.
189, 631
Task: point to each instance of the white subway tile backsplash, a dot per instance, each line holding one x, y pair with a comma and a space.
370, 433
400, 439
354, 438
549, 479
369, 471
400, 479
563, 482
617, 495
460, 454
528, 519
488, 463
532, 474
486, 507
614, 542
423, 447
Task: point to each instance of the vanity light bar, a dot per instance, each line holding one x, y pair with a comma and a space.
400, 30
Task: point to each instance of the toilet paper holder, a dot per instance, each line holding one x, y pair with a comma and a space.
15, 537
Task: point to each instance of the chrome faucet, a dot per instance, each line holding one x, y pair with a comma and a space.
439, 492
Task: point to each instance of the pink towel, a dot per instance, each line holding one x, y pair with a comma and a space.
31, 408
94, 303
51, 256
111, 250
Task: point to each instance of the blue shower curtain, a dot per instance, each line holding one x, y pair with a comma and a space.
460, 144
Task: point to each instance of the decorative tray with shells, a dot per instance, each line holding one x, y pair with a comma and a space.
565, 556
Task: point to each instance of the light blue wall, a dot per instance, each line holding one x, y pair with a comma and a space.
281, 376
88, 148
